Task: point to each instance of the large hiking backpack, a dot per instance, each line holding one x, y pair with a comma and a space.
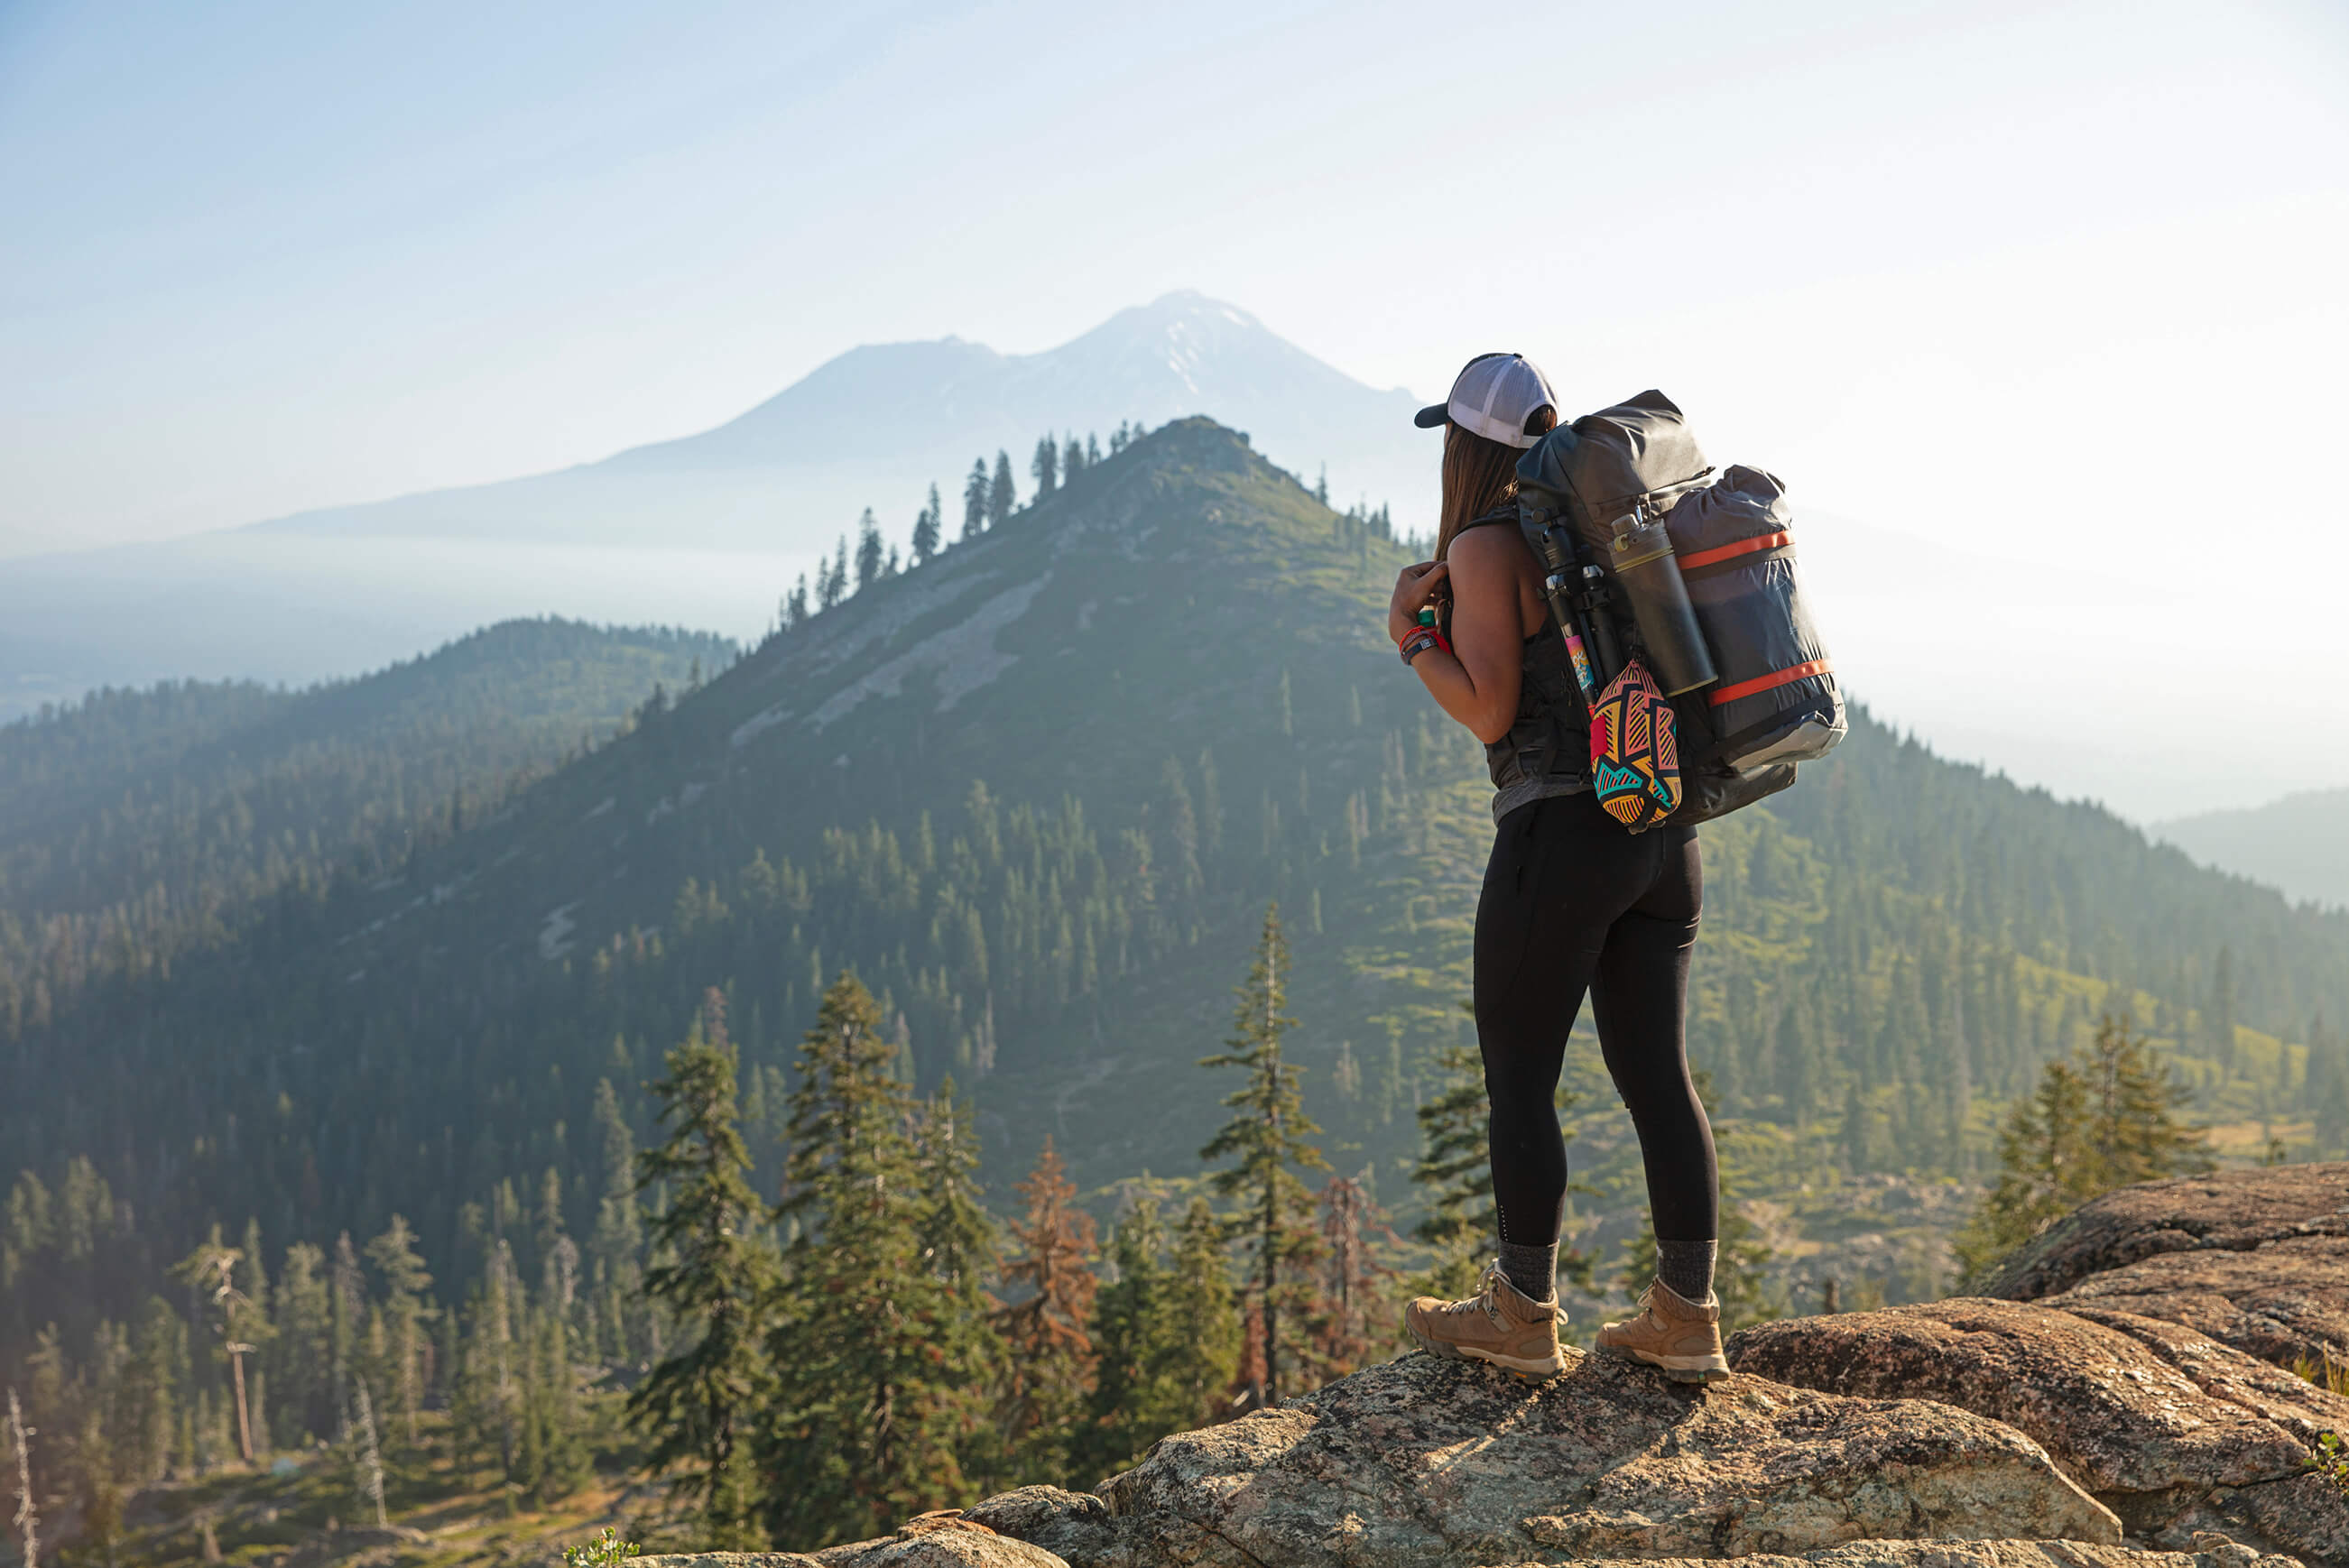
1776, 702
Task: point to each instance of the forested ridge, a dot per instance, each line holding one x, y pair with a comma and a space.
137, 825
1036, 792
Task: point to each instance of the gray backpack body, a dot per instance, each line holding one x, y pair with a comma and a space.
1776, 702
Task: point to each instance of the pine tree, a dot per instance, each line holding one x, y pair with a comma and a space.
868, 551
2105, 1118
717, 1274
2327, 1088
795, 606
2218, 1017
210, 1273
1455, 1166
613, 1250
974, 501
159, 1366
928, 529
1002, 495
866, 1426
1205, 1349
1136, 1398
301, 1356
959, 1254
1045, 466
1051, 1355
1073, 457
1268, 1136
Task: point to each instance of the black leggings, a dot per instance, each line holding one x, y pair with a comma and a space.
1573, 903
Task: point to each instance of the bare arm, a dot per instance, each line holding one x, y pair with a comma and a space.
1477, 682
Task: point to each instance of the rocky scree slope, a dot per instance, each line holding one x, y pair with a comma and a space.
1974, 1431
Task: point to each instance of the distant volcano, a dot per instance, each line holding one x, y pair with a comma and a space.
878, 424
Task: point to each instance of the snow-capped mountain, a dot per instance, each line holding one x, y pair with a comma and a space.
877, 424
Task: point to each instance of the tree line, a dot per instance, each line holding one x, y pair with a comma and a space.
990, 498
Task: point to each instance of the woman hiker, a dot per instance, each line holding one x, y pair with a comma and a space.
1572, 903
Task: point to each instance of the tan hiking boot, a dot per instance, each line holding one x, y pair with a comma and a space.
1499, 1323
1673, 1333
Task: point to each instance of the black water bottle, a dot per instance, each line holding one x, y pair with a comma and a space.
1640, 556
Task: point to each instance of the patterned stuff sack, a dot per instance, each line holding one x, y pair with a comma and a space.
1635, 763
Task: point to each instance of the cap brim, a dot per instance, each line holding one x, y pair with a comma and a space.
1435, 414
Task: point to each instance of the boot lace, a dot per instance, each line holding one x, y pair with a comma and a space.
1483, 1301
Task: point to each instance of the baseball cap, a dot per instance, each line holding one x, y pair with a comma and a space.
1494, 396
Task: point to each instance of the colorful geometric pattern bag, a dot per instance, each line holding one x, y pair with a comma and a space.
1635, 763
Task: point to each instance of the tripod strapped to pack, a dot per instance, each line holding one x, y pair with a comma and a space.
1676, 590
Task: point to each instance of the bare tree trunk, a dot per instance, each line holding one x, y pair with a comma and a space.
28, 1518
243, 1419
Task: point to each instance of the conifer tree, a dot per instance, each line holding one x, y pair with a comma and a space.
1134, 1399
1045, 466
717, 1274
210, 1274
2327, 1088
1205, 1347
928, 529
1001, 494
1455, 1167
619, 1238
2218, 1015
974, 501
304, 1350
958, 1252
404, 1282
866, 1426
868, 551
1050, 1353
2106, 1118
1270, 1136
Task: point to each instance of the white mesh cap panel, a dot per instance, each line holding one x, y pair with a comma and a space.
1494, 397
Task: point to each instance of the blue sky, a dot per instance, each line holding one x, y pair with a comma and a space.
2062, 275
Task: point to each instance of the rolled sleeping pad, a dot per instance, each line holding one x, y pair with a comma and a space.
1776, 699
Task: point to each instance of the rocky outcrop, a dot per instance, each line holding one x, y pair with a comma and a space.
948, 1539
2126, 1367
1424, 1464
2220, 1554
2255, 1259
2169, 1429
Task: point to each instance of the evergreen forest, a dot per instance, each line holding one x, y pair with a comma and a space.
441, 1034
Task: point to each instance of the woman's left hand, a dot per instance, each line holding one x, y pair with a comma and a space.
1416, 587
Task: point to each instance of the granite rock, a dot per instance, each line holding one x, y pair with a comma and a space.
2255, 1259
1438, 1464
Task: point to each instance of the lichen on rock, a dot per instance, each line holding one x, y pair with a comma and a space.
1435, 1464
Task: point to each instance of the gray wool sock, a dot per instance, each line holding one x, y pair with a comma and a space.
1686, 1267
1532, 1270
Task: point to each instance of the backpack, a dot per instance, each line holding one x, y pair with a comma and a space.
1776, 702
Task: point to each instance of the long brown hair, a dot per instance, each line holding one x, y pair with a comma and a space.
1479, 474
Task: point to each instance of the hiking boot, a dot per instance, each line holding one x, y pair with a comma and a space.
1499, 1323
1673, 1333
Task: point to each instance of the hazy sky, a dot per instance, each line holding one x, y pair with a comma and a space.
2061, 278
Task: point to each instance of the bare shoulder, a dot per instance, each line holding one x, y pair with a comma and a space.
1492, 566
1492, 548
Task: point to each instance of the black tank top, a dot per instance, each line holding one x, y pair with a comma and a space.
1547, 751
